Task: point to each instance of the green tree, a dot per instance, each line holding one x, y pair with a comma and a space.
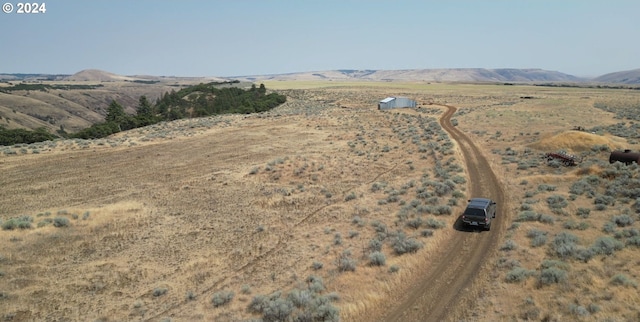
115, 113
145, 113
144, 107
15, 136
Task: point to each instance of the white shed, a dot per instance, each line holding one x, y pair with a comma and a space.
396, 102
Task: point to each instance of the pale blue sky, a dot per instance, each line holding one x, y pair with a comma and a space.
250, 37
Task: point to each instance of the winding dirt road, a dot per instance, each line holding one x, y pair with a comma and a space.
450, 287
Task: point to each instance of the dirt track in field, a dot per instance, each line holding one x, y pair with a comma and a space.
451, 286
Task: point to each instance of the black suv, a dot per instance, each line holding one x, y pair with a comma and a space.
479, 212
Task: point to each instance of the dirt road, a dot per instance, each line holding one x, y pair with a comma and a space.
450, 287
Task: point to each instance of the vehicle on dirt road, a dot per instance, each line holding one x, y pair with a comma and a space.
480, 212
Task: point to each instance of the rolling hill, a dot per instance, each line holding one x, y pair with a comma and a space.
96, 75
428, 75
76, 101
623, 77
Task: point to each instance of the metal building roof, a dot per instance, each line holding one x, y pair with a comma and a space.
387, 100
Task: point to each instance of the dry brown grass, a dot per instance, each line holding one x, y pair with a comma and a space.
577, 141
185, 214
176, 207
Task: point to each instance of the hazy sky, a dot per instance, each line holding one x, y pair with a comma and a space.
251, 37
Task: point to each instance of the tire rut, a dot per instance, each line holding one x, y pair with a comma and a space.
449, 288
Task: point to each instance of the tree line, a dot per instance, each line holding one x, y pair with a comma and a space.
16, 136
193, 101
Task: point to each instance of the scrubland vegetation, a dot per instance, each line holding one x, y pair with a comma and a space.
323, 208
570, 252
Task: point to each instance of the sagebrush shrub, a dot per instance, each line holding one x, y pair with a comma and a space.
221, 298
634, 241
538, 237
518, 274
414, 223
510, 263
357, 221
604, 200
622, 220
584, 254
583, 212
300, 298
22, 222
552, 275
60, 222
159, 291
315, 283
379, 227
578, 310
426, 233
298, 305
546, 187
564, 245
534, 232
350, 196
607, 245
609, 227
579, 187
277, 310
402, 245
377, 259
337, 239
509, 245
629, 232
434, 224
546, 219
623, 280
346, 263
375, 245
557, 202
442, 210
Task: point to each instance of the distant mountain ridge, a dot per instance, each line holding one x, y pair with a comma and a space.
429, 75
97, 75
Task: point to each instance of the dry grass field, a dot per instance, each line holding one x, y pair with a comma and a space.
325, 208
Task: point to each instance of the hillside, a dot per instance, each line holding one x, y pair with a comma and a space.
95, 75
623, 77
72, 108
76, 105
